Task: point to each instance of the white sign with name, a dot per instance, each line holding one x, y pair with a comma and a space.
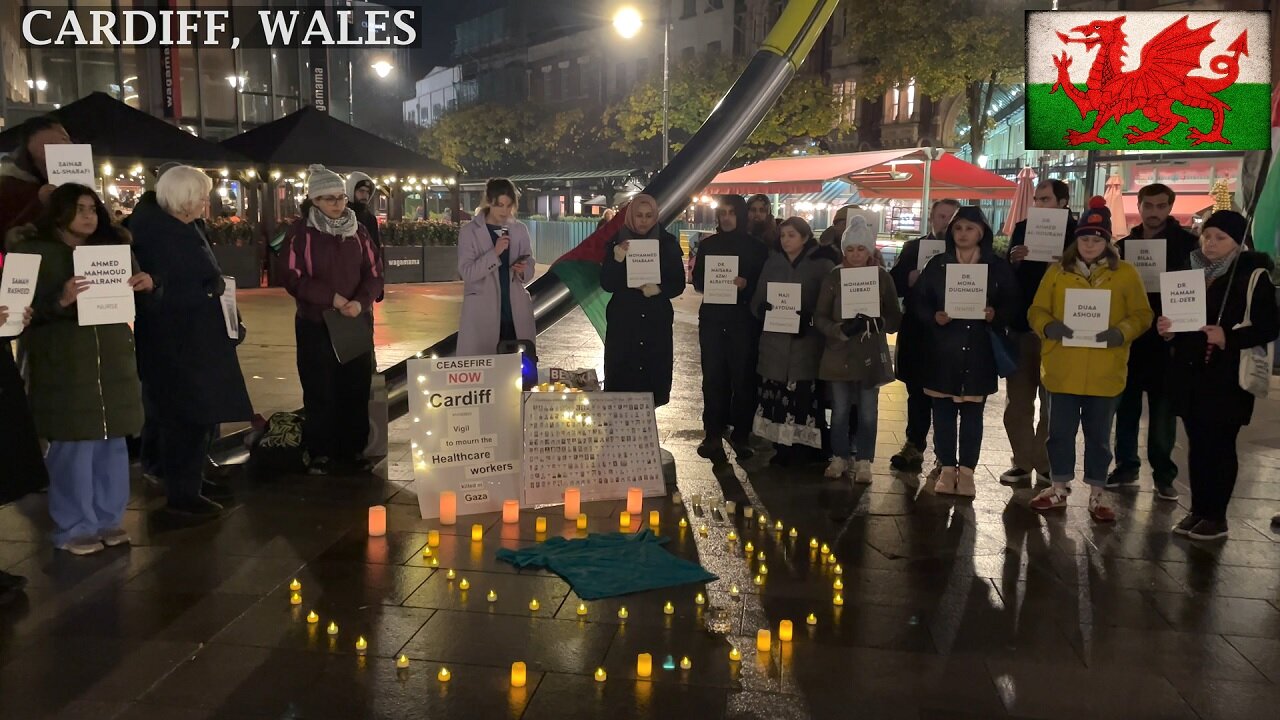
929, 249
1087, 313
17, 289
109, 299
643, 267
1148, 258
966, 291
719, 272
465, 432
600, 443
1046, 232
230, 316
785, 315
69, 164
1183, 296
859, 292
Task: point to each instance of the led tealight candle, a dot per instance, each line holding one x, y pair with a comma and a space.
448, 507
699, 599
435, 562
426, 552
749, 547
655, 518
464, 585
733, 536
644, 665
795, 533
601, 675
785, 631
361, 644
572, 503
622, 613
295, 585
730, 507
624, 520
582, 522
838, 584
685, 663
635, 499
759, 580
295, 599
492, 596
402, 662
761, 556
444, 675
377, 521
333, 628
778, 526
517, 674
433, 538
763, 520
510, 512
748, 512
825, 550
582, 609
734, 655
540, 525
451, 574
838, 570
838, 600
477, 533
764, 569
812, 619
813, 543
683, 523
312, 617
764, 641
831, 559
668, 609
733, 591
534, 605
676, 499
702, 530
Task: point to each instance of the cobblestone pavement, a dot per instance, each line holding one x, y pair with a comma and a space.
952, 609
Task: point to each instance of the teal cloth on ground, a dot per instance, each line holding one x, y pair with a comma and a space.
606, 565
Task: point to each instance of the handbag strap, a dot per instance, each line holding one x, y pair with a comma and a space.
1231, 278
1248, 302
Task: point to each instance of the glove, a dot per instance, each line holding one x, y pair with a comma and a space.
806, 320
766, 306
1112, 337
619, 253
1057, 331
217, 286
856, 326
649, 290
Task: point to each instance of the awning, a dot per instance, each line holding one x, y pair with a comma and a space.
1184, 208
566, 177
948, 177
797, 175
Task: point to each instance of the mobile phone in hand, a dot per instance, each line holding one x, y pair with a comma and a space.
521, 259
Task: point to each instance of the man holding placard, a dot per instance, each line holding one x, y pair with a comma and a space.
24, 183
1028, 430
1157, 246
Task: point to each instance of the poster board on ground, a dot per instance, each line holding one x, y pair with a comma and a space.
465, 433
601, 443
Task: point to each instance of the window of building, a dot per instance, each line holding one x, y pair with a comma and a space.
130, 82
846, 93
713, 48
574, 80
690, 9
53, 76
891, 100
284, 72
911, 99
98, 71
255, 109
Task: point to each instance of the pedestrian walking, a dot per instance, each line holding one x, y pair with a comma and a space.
1149, 357
1085, 383
1028, 430
959, 386
24, 185
495, 260
728, 336
83, 380
855, 359
790, 406
186, 357
914, 358
639, 352
331, 266
1205, 378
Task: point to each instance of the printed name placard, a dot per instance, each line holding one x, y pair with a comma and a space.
785, 315
929, 249
600, 443
859, 292
1046, 232
966, 292
1148, 258
69, 164
719, 272
230, 315
17, 288
1087, 313
1183, 300
109, 299
465, 432
642, 263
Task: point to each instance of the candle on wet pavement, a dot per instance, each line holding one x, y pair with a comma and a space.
685, 663
295, 599
582, 609
534, 605
448, 507
333, 628
517, 674
510, 512
668, 609
785, 631
464, 585
655, 518
734, 655
644, 665
402, 662
572, 503
700, 599
312, 617
582, 522
377, 521
451, 574
477, 533
635, 499
444, 675
622, 613
624, 520
764, 641
601, 675
295, 585
492, 596
540, 525
362, 644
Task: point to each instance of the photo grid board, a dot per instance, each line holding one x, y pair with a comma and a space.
601, 443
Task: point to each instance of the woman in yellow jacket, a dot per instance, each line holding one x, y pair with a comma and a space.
1085, 375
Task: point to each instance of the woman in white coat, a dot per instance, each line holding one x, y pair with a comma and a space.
495, 260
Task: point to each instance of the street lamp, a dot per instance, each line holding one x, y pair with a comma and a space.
627, 22
382, 68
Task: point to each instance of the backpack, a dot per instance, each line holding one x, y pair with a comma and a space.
278, 449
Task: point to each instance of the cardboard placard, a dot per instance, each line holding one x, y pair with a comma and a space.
643, 266
109, 299
1183, 300
69, 164
719, 272
1087, 313
859, 292
929, 249
17, 289
785, 315
1046, 233
966, 292
1148, 257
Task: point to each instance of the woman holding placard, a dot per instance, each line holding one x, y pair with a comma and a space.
966, 297
856, 360
1089, 309
83, 382
790, 348
638, 349
1212, 367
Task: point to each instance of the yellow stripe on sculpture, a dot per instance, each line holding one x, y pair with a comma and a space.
798, 28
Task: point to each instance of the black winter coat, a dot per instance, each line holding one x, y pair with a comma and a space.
913, 357
184, 353
638, 349
751, 258
1211, 388
961, 362
1029, 273
1149, 354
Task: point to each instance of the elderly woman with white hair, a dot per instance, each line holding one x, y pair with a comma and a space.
186, 357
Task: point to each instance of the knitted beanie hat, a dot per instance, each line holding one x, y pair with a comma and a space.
1096, 220
1230, 222
858, 233
323, 182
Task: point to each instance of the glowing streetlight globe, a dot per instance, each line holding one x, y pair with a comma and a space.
627, 22
383, 68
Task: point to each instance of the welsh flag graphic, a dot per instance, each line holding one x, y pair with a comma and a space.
1148, 80
1266, 216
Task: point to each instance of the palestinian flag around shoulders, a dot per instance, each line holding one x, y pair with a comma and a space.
1188, 80
579, 270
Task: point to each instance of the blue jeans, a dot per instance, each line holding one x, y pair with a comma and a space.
1067, 413
957, 422
88, 487
844, 396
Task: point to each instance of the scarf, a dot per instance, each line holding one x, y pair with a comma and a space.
637, 202
1213, 270
343, 227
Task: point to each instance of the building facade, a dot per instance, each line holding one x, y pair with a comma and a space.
434, 95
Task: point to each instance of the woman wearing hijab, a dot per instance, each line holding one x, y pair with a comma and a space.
1204, 377
964, 371
638, 349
